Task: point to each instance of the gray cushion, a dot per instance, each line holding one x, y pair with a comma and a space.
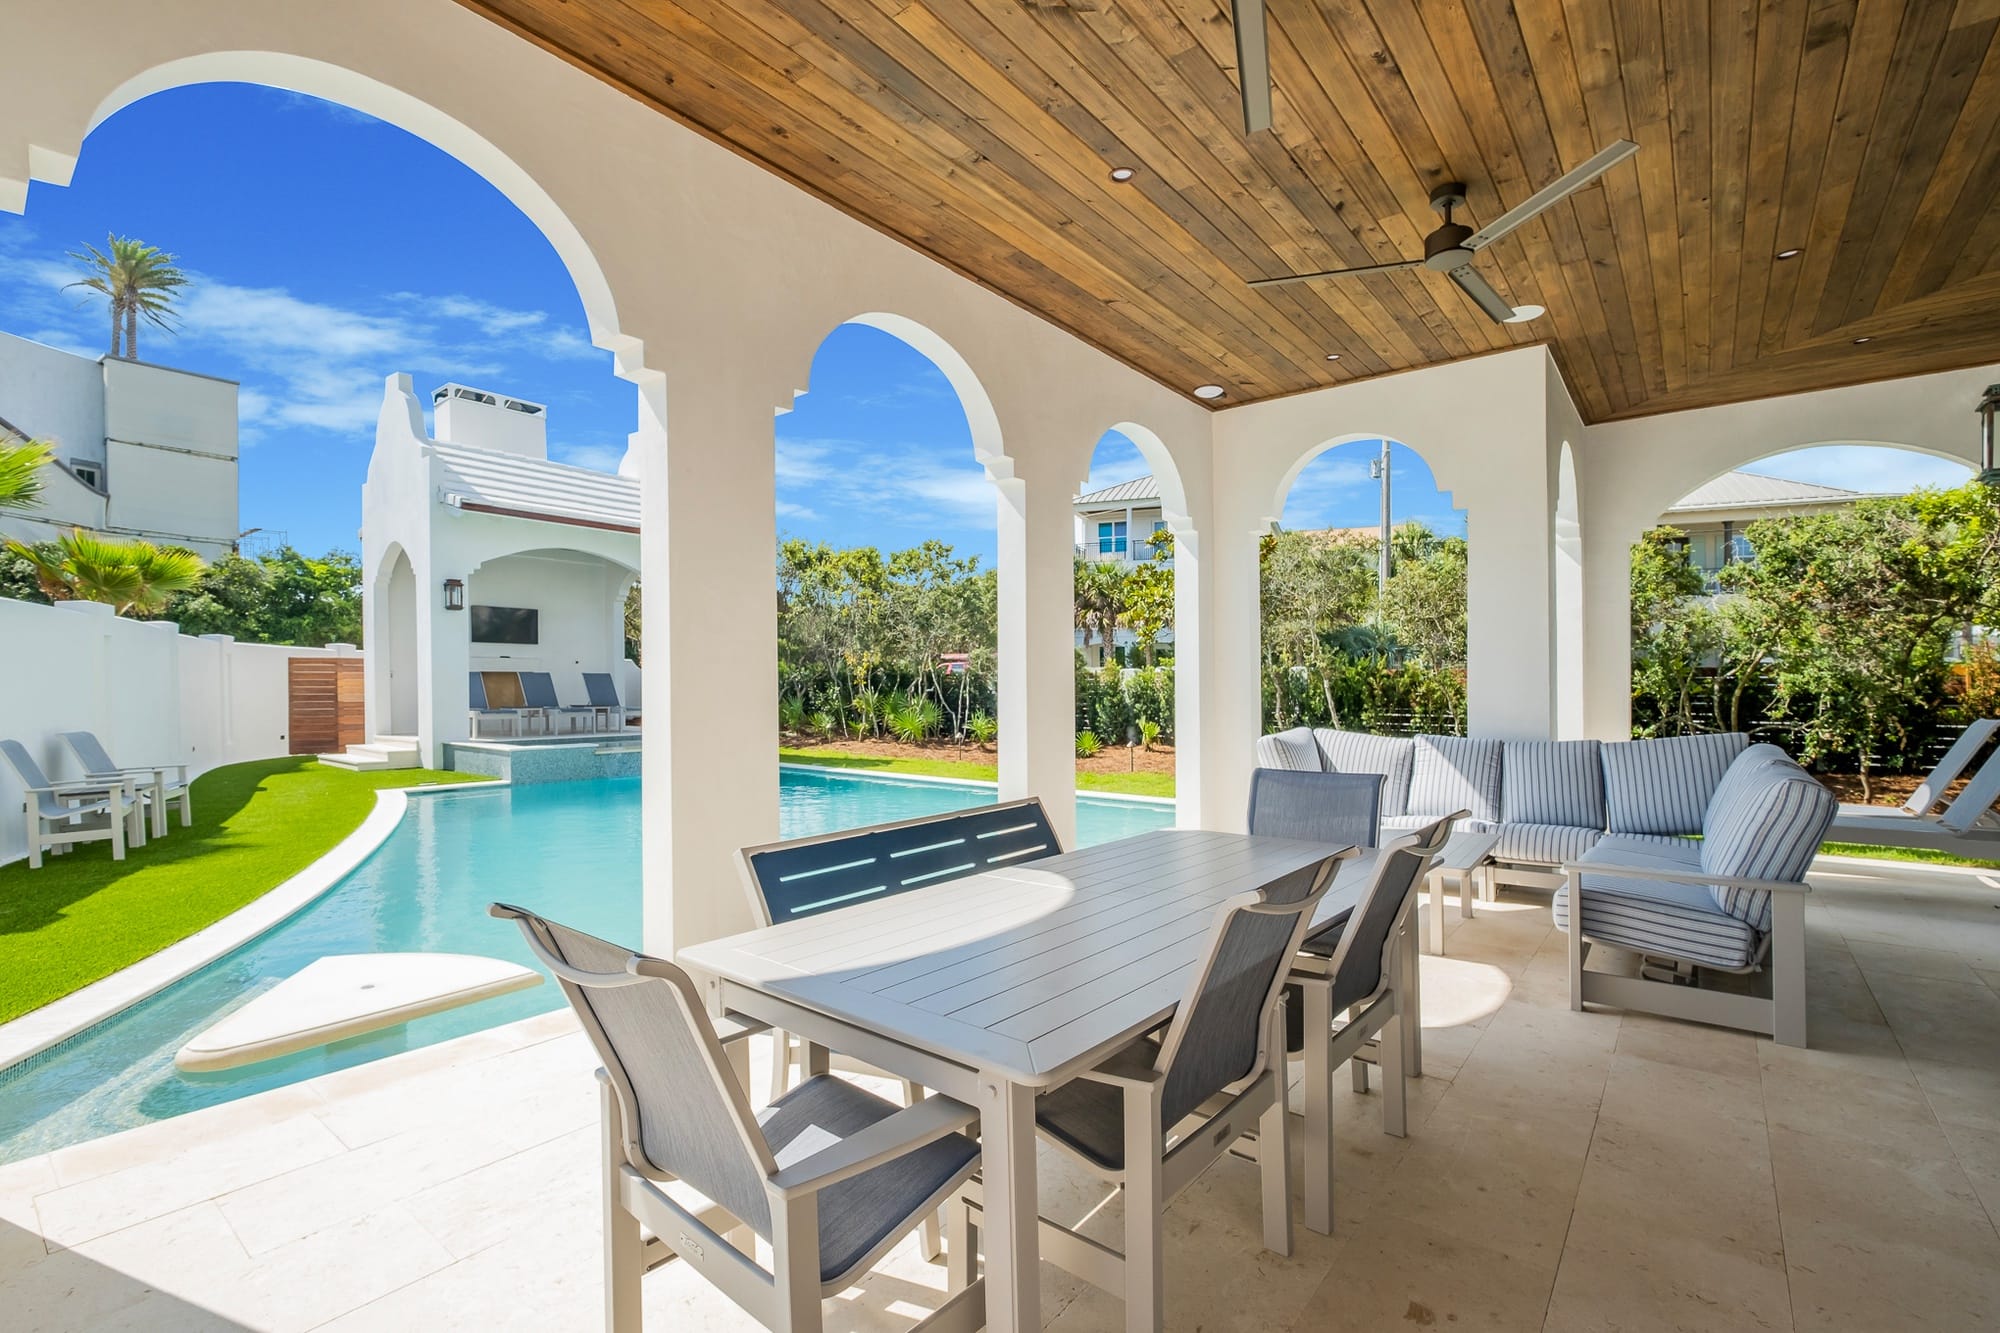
1411, 823
1657, 917
1543, 844
1292, 749
1089, 1117
1360, 752
1647, 849
1768, 827
861, 1212
1455, 773
1552, 782
1664, 785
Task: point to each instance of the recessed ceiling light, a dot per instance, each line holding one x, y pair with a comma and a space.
1122, 174
1859, 341
1523, 313
1793, 253
1209, 391
1333, 356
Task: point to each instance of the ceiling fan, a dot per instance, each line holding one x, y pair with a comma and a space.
1450, 249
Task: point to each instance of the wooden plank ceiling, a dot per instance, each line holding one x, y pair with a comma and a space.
1865, 134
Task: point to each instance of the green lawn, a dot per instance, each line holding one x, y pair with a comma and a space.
83, 916
1123, 784
1922, 854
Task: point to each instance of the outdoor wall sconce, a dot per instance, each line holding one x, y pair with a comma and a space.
454, 594
1989, 404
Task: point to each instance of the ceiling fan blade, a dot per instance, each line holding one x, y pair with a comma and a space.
1253, 64
1482, 293
1289, 278
1566, 184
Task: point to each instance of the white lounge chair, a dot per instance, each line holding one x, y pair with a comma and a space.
158, 787
1966, 827
63, 813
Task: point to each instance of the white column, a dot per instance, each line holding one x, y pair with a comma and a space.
1193, 649
1607, 631
444, 641
708, 542
1037, 645
1510, 591
1232, 707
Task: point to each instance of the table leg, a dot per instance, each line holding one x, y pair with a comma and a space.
1413, 1024
1319, 1106
1467, 887
1434, 886
1013, 1257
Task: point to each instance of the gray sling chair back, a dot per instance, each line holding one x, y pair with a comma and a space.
1364, 967
1344, 809
829, 1174
1160, 1112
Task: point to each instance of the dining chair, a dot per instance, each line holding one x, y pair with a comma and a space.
830, 1175
1161, 1111
1364, 969
1340, 808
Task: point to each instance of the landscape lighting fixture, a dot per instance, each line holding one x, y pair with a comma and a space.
1209, 391
1122, 174
454, 594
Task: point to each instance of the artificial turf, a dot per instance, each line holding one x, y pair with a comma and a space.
83, 916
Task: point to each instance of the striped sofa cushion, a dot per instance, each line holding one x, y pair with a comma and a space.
1360, 752
1664, 786
1543, 844
1292, 750
1552, 782
1769, 827
1744, 775
1649, 849
1455, 773
1657, 917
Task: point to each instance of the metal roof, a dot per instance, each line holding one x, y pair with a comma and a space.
494, 482
1751, 490
1125, 492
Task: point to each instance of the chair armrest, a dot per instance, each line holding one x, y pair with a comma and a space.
1575, 868
1127, 1068
732, 1026
884, 1141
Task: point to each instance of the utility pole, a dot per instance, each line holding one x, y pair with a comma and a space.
1378, 469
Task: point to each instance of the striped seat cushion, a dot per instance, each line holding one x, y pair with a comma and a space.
1543, 844
1768, 826
1648, 849
1657, 917
1552, 782
1411, 823
1360, 752
1292, 750
1455, 773
1664, 785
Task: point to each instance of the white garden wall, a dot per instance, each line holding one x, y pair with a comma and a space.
152, 694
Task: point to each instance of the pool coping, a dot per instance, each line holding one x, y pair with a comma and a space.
59, 1020
988, 783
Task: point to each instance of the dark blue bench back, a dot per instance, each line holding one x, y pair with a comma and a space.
810, 875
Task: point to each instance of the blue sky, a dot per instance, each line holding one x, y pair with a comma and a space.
330, 250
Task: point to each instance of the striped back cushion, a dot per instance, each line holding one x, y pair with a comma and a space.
1663, 786
1770, 828
1745, 775
1455, 773
1359, 752
1292, 749
1552, 782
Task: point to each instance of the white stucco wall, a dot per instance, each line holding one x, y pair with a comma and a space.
170, 456
53, 395
580, 602
152, 695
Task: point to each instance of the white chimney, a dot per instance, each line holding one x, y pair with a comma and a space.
482, 419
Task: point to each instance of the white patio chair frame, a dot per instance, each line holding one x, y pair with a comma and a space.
1782, 1017
60, 815
785, 1298
1966, 827
152, 783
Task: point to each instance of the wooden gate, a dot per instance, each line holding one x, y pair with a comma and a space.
327, 713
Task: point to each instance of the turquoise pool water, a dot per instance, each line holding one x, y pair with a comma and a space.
569, 849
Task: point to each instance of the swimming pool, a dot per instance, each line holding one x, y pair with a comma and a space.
570, 849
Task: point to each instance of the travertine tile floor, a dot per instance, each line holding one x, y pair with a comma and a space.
1562, 1171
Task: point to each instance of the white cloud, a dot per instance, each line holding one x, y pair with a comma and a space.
598, 457
491, 319
566, 344
267, 324
1862, 467
806, 513
904, 488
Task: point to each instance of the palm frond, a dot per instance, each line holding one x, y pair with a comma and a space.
21, 477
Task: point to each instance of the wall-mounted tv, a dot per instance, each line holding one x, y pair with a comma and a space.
506, 624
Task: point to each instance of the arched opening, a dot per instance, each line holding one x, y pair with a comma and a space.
1362, 589
1130, 524
557, 610
1829, 599
396, 665
1568, 602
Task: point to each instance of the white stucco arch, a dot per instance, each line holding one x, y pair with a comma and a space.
1569, 599
1268, 521
392, 666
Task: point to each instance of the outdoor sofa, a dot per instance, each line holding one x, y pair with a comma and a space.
1689, 850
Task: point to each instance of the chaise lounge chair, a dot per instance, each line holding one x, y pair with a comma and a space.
60, 814
158, 786
604, 698
1966, 827
480, 709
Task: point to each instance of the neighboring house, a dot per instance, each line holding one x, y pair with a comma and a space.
1714, 515
1118, 523
141, 450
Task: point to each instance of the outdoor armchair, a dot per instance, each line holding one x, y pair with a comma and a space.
1159, 1113
60, 814
830, 1175
159, 786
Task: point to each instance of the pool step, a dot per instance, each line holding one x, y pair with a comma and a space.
383, 752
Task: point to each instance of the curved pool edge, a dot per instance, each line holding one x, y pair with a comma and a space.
57, 1021
987, 783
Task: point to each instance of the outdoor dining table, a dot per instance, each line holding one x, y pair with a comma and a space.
997, 986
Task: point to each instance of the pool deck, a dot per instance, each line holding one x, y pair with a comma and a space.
1562, 1171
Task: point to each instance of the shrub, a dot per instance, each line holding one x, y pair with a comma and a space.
1087, 743
1149, 731
983, 728
825, 723
911, 718
791, 713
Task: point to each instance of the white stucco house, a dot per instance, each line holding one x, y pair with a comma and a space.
480, 554
141, 450
1714, 514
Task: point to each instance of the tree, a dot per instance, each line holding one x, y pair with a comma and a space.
280, 597
133, 576
137, 280
1149, 598
1310, 590
1424, 603
21, 479
1099, 601
1673, 632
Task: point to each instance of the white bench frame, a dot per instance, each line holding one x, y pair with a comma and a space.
1781, 1017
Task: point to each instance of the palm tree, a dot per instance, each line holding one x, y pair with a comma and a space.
137, 279
50, 572
21, 473
132, 576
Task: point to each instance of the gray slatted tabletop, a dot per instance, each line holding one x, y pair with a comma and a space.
1005, 983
